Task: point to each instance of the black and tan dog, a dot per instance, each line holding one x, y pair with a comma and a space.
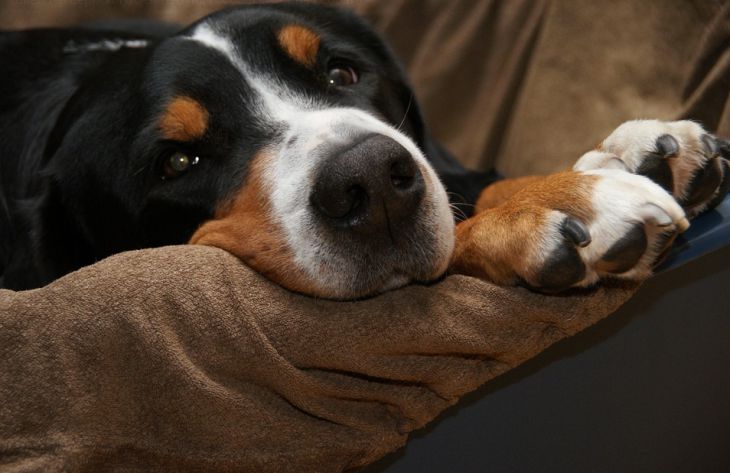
287, 135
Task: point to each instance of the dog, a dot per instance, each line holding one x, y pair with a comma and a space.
288, 135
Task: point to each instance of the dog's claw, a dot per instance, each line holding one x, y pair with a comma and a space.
654, 214
576, 231
667, 146
710, 144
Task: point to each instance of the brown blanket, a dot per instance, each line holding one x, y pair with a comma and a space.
183, 359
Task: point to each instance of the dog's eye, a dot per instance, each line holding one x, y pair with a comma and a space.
341, 76
178, 163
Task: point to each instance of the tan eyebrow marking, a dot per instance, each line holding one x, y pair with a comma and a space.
184, 119
300, 43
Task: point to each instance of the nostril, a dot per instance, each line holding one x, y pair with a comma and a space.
357, 198
403, 173
401, 182
340, 204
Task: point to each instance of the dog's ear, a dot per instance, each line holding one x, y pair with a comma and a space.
85, 154
60, 240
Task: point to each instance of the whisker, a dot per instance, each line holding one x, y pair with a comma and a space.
137, 172
458, 213
459, 197
405, 114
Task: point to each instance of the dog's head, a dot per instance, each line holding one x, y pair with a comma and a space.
288, 136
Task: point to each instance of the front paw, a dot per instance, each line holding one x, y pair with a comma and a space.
680, 156
570, 230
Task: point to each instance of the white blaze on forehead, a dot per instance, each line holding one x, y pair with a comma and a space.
278, 103
204, 34
290, 177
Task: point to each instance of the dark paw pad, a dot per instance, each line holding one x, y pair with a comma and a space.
724, 187
656, 165
563, 269
723, 147
625, 253
703, 184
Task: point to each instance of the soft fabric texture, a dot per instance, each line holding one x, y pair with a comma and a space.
184, 359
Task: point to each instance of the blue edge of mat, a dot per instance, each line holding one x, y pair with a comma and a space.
707, 233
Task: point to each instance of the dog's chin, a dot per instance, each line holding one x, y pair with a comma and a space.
395, 282
373, 285
379, 275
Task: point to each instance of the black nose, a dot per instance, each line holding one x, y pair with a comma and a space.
372, 185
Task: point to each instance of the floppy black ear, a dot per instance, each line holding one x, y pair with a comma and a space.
84, 155
462, 184
57, 243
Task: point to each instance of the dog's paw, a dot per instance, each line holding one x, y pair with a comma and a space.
570, 230
680, 156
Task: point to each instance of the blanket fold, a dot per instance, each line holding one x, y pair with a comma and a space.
184, 359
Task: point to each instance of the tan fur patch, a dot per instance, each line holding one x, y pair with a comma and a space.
569, 192
300, 43
498, 244
245, 227
184, 119
499, 192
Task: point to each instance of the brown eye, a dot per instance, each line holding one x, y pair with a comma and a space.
178, 163
341, 76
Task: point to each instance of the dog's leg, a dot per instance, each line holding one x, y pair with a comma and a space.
604, 219
501, 191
